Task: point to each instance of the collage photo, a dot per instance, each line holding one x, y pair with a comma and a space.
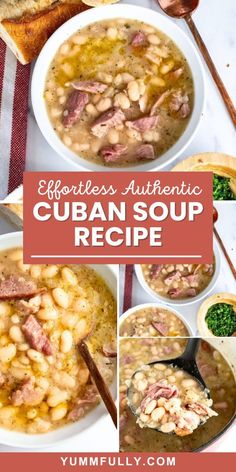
118, 358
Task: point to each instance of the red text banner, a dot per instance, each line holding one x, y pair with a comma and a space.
59, 462
118, 217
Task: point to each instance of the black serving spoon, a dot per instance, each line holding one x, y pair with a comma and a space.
186, 362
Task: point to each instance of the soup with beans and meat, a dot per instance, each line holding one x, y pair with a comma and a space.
45, 310
178, 281
152, 321
119, 92
219, 379
166, 398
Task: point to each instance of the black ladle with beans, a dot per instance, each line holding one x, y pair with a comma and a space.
186, 362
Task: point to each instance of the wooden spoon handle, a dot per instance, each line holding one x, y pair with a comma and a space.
225, 252
100, 384
227, 100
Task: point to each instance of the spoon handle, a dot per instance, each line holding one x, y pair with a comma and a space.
227, 100
98, 379
191, 349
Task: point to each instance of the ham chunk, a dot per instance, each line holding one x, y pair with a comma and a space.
159, 102
146, 123
172, 277
158, 390
139, 39
35, 336
191, 292
89, 86
75, 105
201, 410
145, 151
155, 270
174, 75
110, 119
26, 308
27, 394
90, 398
17, 287
179, 104
160, 327
113, 153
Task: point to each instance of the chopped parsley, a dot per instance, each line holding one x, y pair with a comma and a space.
221, 319
221, 188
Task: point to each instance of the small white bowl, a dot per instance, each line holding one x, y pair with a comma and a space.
135, 309
18, 439
186, 301
104, 13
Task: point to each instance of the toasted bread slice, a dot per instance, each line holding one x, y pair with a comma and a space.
27, 35
13, 213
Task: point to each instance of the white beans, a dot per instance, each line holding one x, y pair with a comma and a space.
35, 356
61, 297
16, 334
46, 300
133, 91
167, 67
113, 136
67, 140
50, 271
167, 427
48, 313
112, 33
153, 39
150, 407
5, 308
104, 77
7, 353
69, 276
91, 109
64, 49
186, 383
104, 104
66, 341
79, 39
121, 100
158, 413
58, 396
58, 412
35, 271
16, 255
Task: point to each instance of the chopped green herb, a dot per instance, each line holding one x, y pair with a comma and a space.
221, 319
221, 188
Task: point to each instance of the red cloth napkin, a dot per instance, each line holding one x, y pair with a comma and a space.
128, 286
14, 90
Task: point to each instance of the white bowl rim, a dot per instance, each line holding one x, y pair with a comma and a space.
186, 301
142, 306
46, 440
108, 12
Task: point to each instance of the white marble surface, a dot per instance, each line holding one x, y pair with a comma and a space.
216, 23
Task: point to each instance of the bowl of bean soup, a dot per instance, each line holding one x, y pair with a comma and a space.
179, 284
46, 390
120, 87
153, 320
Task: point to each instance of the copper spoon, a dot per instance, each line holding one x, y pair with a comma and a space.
99, 381
183, 9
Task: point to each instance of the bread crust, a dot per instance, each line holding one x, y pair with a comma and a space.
27, 35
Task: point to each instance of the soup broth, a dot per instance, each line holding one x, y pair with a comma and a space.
119, 92
45, 310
